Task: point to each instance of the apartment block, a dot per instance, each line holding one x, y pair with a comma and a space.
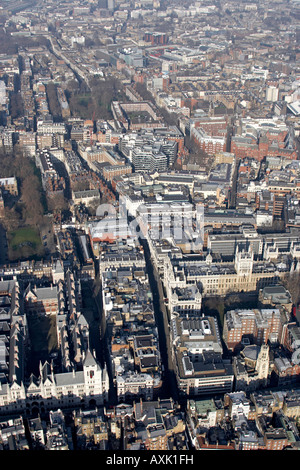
260, 325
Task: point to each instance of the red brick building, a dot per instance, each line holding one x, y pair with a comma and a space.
156, 38
275, 439
268, 144
210, 134
261, 325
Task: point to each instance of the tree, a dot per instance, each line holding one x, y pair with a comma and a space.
72, 87
197, 155
16, 105
31, 196
143, 92
57, 202
29, 209
12, 219
53, 102
291, 282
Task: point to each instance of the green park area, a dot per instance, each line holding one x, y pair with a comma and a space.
82, 105
24, 242
95, 99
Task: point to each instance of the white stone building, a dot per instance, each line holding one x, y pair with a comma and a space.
63, 390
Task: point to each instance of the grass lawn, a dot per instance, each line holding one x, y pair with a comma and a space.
26, 235
24, 242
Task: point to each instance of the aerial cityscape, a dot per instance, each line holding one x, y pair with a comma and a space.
150, 226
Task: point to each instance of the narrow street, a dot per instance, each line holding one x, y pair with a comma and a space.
100, 338
169, 387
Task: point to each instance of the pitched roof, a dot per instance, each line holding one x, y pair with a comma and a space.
89, 359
